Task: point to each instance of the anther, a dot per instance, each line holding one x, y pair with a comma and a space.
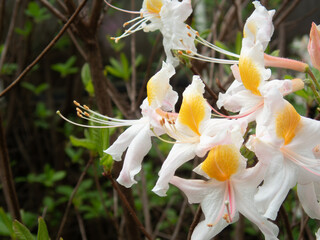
76, 103
188, 52
86, 114
316, 151
226, 217
79, 110
197, 33
79, 114
86, 107
188, 26
189, 34
210, 225
180, 52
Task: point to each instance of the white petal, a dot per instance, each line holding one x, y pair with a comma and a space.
280, 178
120, 145
138, 148
308, 200
179, 154
246, 207
203, 232
195, 190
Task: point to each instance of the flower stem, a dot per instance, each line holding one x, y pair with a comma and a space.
313, 78
314, 90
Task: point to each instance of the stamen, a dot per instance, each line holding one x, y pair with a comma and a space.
76, 103
316, 151
245, 114
208, 59
120, 9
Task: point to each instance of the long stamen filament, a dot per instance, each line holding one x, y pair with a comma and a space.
120, 9
207, 59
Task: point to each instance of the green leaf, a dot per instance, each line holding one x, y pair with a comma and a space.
26, 30
36, 12
86, 143
57, 176
22, 233
86, 79
7, 223
42, 230
66, 68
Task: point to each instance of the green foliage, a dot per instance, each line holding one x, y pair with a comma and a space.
42, 113
48, 177
86, 79
5, 224
21, 231
36, 90
66, 68
42, 230
38, 13
26, 30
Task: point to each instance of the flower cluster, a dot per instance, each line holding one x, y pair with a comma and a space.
286, 145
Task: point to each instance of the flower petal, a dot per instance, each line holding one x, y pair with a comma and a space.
179, 154
308, 199
138, 148
120, 145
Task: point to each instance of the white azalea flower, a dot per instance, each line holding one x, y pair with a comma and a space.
290, 145
229, 190
195, 133
137, 138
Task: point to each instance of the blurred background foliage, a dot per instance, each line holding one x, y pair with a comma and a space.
58, 167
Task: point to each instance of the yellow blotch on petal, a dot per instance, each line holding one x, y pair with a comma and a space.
222, 162
287, 123
154, 6
250, 75
193, 111
151, 91
252, 28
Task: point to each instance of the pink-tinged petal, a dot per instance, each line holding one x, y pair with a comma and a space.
120, 145
195, 190
204, 232
179, 154
138, 149
308, 199
279, 179
314, 45
247, 208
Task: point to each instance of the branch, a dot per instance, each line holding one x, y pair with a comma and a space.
10, 33
128, 206
50, 45
7, 179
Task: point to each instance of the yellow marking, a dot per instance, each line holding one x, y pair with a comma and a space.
222, 162
154, 6
250, 75
287, 123
192, 111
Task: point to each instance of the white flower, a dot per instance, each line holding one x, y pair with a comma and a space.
289, 144
229, 190
195, 133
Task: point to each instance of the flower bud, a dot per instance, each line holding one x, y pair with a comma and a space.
314, 45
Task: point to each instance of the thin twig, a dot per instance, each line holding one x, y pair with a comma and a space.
145, 201
10, 33
195, 222
6, 178
64, 219
128, 206
162, 217
286, 222
50, 45
180, 219
81, 225
133, 88
302, 227
286, 13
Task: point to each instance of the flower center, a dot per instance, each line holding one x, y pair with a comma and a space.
222, 162
287, 123
250, 75
154, 6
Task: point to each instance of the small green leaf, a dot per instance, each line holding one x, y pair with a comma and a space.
86, 143
22, 232
42, 230
86, 79
6, 222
